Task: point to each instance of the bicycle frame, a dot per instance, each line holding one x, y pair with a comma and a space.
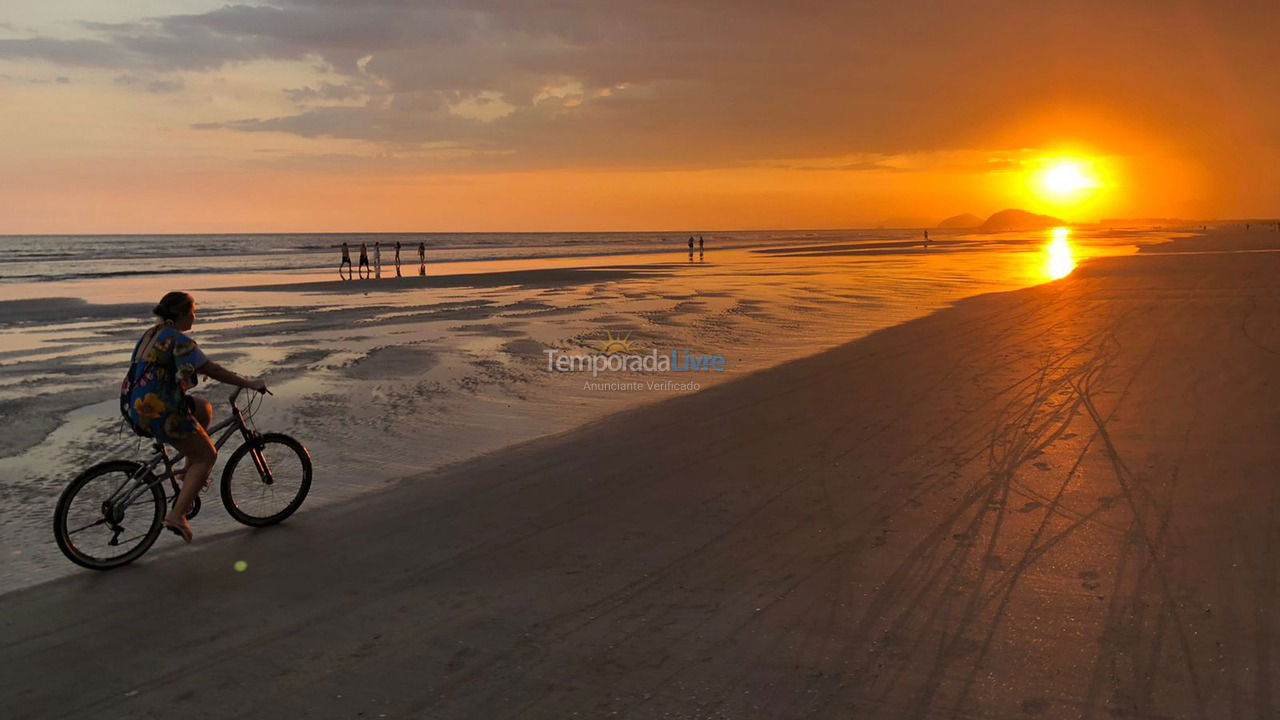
137, 484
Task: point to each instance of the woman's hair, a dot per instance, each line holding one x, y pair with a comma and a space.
172, 305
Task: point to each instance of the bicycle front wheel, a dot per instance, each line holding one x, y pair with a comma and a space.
265, 481
106, 517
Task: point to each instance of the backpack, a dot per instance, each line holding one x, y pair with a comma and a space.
126, 391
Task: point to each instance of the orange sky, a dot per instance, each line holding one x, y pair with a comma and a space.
459, 115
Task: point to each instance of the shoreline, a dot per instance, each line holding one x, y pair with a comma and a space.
799, 532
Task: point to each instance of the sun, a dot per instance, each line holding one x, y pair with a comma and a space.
1066, 179
614, 344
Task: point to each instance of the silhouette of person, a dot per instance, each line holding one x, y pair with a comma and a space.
699, 243
422, 259
926, 238
364, 261
690, 243
377, 258
397, 258
346, 261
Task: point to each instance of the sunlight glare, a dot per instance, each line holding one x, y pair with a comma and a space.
1059, 261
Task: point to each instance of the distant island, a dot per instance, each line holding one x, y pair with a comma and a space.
1013, 219
964, 221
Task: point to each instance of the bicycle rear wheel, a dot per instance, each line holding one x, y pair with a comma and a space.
95, 529
265, 482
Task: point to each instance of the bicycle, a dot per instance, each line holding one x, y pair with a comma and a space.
118, 497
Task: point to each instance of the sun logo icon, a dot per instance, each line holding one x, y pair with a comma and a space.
613, 344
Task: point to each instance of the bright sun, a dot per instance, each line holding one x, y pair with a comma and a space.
1067, 178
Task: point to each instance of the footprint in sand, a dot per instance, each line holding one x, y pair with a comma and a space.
1089, 580
1035, 706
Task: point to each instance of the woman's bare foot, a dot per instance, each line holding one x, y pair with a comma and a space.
179, 527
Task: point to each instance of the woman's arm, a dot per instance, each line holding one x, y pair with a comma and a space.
221, 374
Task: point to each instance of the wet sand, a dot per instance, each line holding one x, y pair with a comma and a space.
1058, 502
541, 278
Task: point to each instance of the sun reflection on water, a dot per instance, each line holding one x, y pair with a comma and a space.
1059, 258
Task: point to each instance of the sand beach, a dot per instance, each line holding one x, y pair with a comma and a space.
1061, 505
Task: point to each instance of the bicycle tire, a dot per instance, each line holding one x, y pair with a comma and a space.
79, 553
251, 501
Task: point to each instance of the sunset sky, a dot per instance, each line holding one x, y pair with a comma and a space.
394, 115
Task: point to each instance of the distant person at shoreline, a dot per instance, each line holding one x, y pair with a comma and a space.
422, 259
700, 243
346, 261
154, 399
377, 259
397, 258
690, 243
364, 261
926, 238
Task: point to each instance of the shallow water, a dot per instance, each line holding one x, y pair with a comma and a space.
386, 384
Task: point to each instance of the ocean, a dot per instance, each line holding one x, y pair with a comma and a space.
51, 258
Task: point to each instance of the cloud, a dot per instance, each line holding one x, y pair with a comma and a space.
165, 86
75, 53
151, 84
326, 92
667, 83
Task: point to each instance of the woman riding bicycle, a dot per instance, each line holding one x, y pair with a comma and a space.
164, 367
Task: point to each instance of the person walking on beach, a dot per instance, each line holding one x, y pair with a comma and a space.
422, 259
346, 261
397, 258
164, 366
700, 244
364, 261
377, 259
926, 238
690, 243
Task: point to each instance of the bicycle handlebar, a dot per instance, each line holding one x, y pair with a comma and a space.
236, 394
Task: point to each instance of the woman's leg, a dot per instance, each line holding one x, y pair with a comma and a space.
200, 454
202, 411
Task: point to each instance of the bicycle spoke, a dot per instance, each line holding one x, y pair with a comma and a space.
86, 527
132, 539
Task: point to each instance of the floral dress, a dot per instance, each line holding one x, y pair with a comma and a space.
154, 393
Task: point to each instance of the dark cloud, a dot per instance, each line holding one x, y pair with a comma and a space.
681, 83
165, 86
326, 92
85, 53
151, 84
